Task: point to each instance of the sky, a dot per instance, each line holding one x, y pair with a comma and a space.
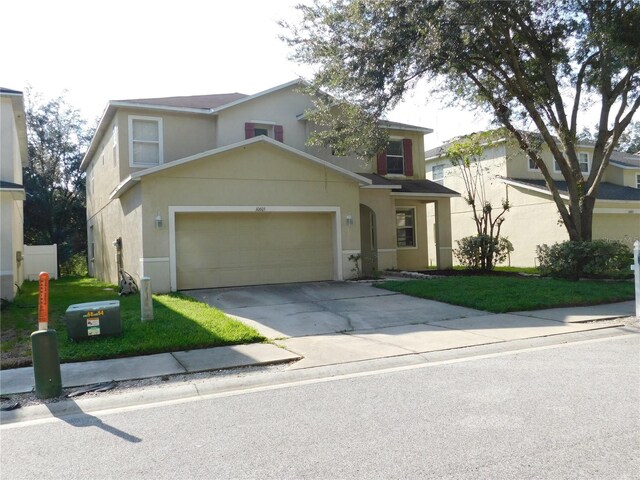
101, 51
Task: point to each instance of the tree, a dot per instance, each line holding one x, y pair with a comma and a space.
629, 140
54, 210
531, 63
482, 251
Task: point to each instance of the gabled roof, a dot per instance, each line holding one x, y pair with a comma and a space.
206, 102
198, 104
135, 177
606, 190
409, 186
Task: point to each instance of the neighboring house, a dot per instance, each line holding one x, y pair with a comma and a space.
533, 218
222, 190
13, 157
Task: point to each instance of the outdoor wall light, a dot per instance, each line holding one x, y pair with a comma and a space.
349, 220
158, 221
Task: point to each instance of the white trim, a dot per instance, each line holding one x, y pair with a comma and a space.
624, 166
387, 250
166, 108
263, 122
351, 252
381, 187
154, 259
158, 120
173, 210
530, 187
615, 211
426, 195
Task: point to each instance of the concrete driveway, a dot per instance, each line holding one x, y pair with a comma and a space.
338, 322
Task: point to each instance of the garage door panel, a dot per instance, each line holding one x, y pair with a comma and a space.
228, 249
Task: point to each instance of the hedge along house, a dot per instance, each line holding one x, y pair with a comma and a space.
222, 190
533, 218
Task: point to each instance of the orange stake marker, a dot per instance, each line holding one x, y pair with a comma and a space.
43, 302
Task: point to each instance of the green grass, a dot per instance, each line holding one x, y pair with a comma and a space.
529, 270
512, 294
180, 323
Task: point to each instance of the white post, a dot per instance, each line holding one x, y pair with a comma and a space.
636, 273
146, 302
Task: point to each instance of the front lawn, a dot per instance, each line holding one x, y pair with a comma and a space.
180, 323
500, 294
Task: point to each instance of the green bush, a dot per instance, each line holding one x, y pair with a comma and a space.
75, 265
574, 260
481, 252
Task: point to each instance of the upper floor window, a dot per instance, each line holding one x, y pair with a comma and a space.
638, 180
437, 174
533, 165
268, 129
397, 158
145, 141
583, 161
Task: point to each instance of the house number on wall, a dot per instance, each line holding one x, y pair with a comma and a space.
261, 209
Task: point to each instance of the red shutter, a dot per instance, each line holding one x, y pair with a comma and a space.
278, 133
382, 163
249, 130
407, 148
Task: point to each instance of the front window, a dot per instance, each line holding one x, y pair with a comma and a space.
405, 227
145, 141
437, 174
395, 157
638, 180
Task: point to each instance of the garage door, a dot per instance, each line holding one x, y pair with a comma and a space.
229, 249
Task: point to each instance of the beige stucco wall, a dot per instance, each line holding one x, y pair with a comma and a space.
184, 134
382, 204
255, 175
119, 218
11, 203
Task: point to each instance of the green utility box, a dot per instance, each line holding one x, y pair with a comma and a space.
85, 320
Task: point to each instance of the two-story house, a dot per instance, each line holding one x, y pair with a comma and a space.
13, 157
223, 190
533, 218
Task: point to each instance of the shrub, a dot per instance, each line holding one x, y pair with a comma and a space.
574, 260
481, 252
75, 265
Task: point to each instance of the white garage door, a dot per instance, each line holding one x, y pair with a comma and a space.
230, 249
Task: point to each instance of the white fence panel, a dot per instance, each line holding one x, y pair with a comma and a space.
40, 258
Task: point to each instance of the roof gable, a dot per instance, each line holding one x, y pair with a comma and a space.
136, 177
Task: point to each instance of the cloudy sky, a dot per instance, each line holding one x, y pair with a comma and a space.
101, 51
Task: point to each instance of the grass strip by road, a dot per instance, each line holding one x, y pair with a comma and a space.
180, 323
512, 294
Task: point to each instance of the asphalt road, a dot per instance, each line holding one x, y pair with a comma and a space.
567, 411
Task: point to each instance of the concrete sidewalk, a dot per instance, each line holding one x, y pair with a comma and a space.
20, 380
327, 324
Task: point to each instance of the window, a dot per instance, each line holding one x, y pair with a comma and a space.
638, 180
145, 141
437, 174
405, 227
115, 146
583, 161
395, 157
268, 129
532, 165
92, 245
